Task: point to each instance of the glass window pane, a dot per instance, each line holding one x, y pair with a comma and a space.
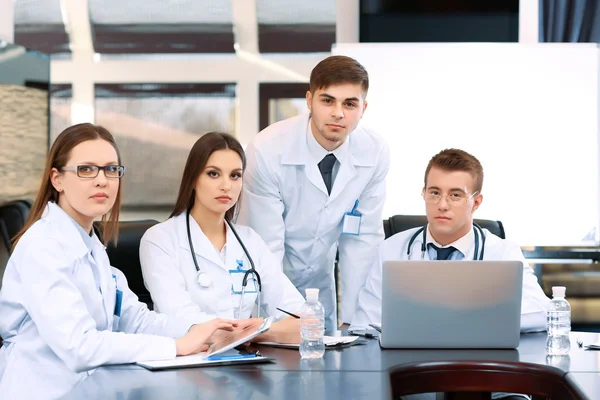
155, 127
280, 109
38, 12
161, 12
295, 27
60, 109
295, 12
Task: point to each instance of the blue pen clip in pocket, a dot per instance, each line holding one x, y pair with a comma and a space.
351, 222
237, 276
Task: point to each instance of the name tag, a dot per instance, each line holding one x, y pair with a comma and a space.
237, 278
351, 222
118, 303
118, 300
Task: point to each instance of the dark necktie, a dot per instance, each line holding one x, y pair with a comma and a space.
443, 253
326, 167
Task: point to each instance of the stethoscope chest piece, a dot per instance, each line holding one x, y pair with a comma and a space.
204, 279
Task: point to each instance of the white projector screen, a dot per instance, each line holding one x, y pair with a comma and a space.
529, 113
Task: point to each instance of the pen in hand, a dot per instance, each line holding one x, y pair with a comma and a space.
288, 313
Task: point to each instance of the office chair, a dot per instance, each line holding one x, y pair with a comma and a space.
458, 377
4, 253
399, 223
14, 214
125, 256
4, 249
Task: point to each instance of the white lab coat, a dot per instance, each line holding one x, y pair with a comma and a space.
534, 301
286, 202
56, 323
171, 277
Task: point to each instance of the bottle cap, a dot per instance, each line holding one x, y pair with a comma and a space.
558, 291
312, 295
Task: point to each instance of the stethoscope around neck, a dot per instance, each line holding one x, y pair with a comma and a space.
422, 231
204, 279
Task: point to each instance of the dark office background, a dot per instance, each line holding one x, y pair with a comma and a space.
439, 20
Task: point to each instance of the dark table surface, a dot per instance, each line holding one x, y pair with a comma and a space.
357, 372
588, 382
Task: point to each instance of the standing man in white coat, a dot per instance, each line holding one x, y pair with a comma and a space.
452, 193
315, 184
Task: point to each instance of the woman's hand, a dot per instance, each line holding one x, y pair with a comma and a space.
197, 337
241, 325
285, 331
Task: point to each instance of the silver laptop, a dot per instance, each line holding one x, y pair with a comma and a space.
451, 304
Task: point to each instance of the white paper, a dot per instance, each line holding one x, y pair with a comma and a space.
329, 341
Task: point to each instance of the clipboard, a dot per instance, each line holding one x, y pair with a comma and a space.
201, 360
219, 353
241, 337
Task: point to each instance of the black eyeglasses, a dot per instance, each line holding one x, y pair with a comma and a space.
91, 171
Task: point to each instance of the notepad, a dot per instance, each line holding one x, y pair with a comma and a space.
201, 360
329, 341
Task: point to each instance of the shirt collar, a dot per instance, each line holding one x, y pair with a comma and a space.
318, 152
464, 244
87, 238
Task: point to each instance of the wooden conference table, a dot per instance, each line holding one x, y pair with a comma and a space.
357, 372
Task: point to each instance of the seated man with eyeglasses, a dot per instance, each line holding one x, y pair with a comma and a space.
452, 193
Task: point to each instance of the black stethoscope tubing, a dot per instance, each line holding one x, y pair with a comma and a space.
251, 271
423, 247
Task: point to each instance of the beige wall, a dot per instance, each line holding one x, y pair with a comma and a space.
23, 140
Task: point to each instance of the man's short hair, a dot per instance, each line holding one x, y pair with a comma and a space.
336, 70
457, 160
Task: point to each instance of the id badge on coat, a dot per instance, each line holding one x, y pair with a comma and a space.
352, 220
237, 278
118, 305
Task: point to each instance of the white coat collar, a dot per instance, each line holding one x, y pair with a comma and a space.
203, 248
465, 244
297, 151
75, 246
63, 223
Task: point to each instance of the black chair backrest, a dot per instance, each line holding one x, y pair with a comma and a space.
125, 256
14, 214
4, 249
4, 253
399, 223
477, 379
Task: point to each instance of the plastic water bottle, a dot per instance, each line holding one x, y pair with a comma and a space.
312, 326
558, 323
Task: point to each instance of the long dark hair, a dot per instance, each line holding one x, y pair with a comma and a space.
58, 156
195, 164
